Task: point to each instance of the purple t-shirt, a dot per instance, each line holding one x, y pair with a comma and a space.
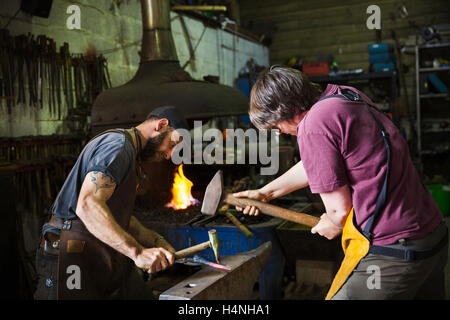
340, 143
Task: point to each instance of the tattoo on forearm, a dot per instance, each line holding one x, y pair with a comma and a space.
101, 180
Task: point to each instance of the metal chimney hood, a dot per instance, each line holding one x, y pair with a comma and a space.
160, 81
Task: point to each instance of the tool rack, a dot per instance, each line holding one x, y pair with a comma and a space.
39, 165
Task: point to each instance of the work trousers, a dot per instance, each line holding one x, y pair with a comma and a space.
135, 287
379, 277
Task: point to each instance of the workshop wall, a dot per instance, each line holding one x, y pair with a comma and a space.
305, 28
114, 28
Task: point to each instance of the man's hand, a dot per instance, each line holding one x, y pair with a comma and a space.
326, 228
251, 194
293, 179
154, 259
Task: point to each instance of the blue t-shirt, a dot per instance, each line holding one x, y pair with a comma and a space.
111, 153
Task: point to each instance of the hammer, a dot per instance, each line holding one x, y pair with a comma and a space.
213, 243
215, 194
209, 208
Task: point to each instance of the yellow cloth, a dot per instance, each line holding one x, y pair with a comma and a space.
355, 247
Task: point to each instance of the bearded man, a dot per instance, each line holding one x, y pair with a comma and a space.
92, 240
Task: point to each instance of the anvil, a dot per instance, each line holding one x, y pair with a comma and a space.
211, 284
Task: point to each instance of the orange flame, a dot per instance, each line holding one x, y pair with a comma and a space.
181, 191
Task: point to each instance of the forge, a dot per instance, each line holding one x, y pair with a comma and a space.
188, 227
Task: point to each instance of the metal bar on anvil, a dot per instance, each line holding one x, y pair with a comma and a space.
211, 284
199, 260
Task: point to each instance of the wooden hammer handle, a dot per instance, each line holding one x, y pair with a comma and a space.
192, 250
272, 210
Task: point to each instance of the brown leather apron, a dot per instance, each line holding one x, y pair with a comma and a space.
87, 267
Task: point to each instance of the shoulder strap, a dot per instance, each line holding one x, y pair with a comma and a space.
129, 134
382, 196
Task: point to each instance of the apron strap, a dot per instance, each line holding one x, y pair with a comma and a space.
130, 134
382, 196
408, 254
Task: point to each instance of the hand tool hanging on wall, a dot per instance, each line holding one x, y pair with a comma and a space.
30, 64
41, 164
7, 66
20, 44
76, 85
32, 67
57, 74
66, 80
41, 45
106, 72
86, 84
45, 72
52, 72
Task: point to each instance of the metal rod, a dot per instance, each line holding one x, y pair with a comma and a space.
199, 8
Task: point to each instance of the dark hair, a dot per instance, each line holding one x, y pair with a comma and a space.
279, 94
151, 117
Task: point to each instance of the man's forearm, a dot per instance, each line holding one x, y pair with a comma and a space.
99, 221
293, 179
148, 238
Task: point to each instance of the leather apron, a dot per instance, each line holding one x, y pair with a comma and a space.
355, 247
87, 267
356, 244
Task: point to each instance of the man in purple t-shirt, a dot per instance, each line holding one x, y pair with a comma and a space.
344, 159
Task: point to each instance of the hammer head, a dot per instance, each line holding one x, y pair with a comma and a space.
214, 243
213, 195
